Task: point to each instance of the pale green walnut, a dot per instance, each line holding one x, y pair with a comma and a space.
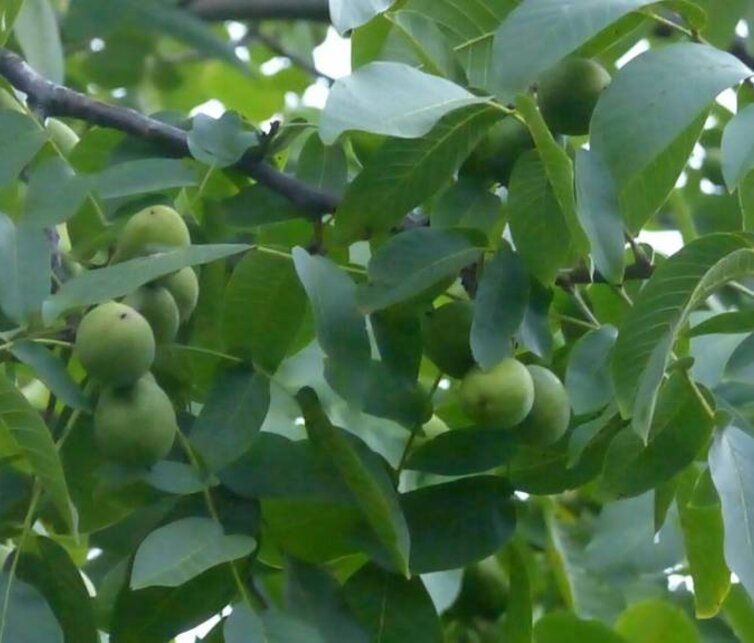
550, 414
500, 397
152, 229
159, 308
184, 286
115, 344
135, 425
568, 94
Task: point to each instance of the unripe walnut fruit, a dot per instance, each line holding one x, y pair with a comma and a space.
115, 344
135, 425
152, 229
550, 414
158, 307
500, 397
184, 286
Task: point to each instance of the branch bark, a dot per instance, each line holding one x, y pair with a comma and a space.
51, 99
316, 10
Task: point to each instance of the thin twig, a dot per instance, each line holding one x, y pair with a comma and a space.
275, 47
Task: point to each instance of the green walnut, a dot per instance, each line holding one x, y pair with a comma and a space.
152, 229
568, 94
500, 397
498, 152
550, 414
159, 308
135, 425
445, 337
115, 344
184, 286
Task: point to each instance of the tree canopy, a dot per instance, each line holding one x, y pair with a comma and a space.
416, 363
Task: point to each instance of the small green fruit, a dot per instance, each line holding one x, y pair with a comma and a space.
184, 286
445, 337
62, 135
499, 398
550, 414
498, 152
568, 94
158, 307
115, 344
151, 229
135, 426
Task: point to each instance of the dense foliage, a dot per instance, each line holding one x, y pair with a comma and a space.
404, 369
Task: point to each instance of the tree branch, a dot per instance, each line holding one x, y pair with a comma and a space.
580, 276
51, 99
316, 10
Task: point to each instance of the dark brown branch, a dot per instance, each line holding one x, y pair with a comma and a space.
316, 10
51, 99
580, 276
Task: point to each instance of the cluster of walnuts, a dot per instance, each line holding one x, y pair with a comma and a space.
134, 422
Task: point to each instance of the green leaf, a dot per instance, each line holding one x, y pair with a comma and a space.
55, 193
520, 51
230, 418
537, 222
467, 204
37, 33
457, 523
600, 215
656, 621
257, 205
370, 486
566, 627
405, 173
499, 308
143, 176
391, 99
24, 606
9, 10
341, 327
558, 167
348, 14
703, 535
220, 142
28, 432
738, 610
20, 139
323, 167
739, 321
463, 452
52, 371
264, 308
393, 609
680, 431
731, 462
582, 590
271, 626
650, 329
264, 472
121, 279
314, 596
176, 477
588, 376
25, 266
174, 554
157, 614
469, 28
45, 565
414, 261
737, 149
648, 106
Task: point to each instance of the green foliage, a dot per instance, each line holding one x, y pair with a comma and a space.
425, 371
